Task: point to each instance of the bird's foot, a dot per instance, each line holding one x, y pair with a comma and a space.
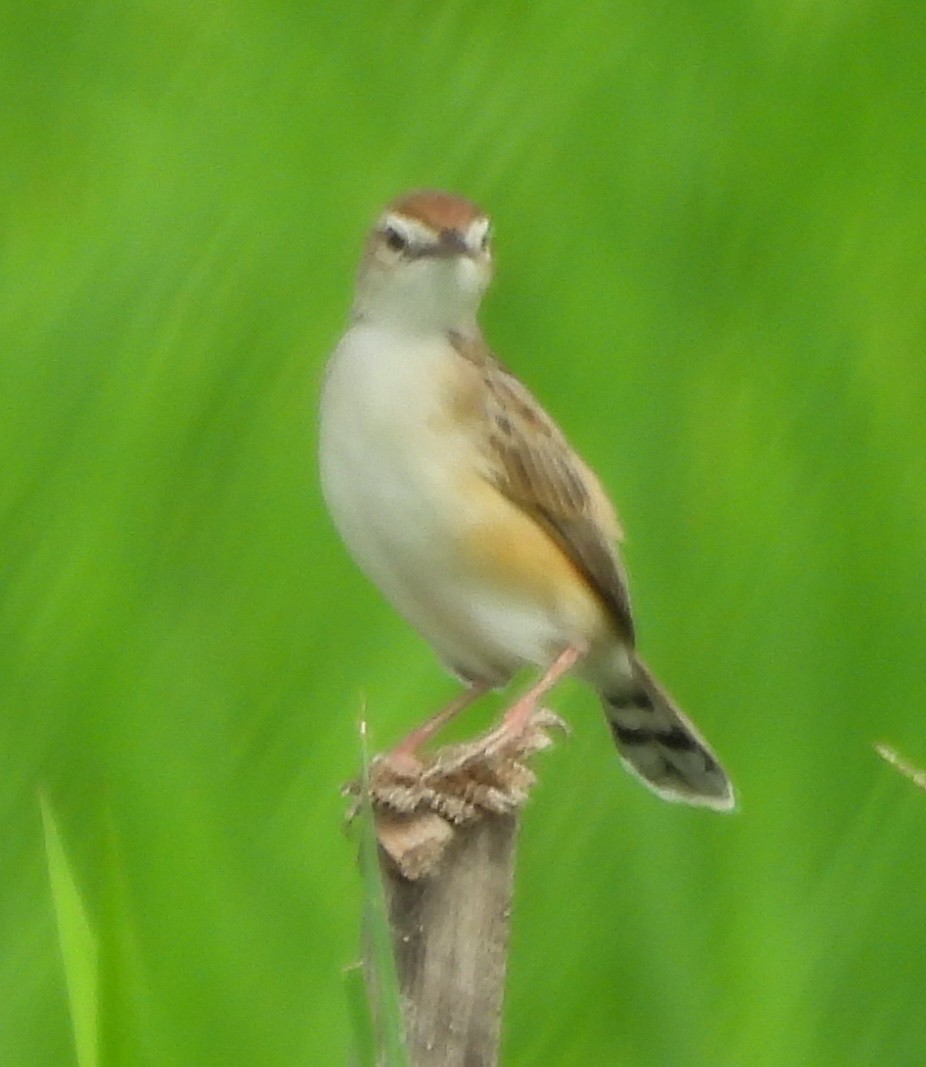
405, 757
420, 800
521, 713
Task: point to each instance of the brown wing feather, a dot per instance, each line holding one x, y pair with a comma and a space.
532, 463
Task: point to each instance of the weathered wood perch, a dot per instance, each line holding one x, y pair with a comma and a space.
447, 835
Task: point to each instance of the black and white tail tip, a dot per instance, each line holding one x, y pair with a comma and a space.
663, 748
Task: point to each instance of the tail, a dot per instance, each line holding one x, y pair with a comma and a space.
662, 748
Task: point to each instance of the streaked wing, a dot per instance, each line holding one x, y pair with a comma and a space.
532, 463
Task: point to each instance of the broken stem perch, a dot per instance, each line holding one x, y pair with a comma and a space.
447, 840
450, 937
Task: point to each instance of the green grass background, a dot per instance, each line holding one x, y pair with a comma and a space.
711, 224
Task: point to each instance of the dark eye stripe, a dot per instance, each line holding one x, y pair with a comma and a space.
395, 240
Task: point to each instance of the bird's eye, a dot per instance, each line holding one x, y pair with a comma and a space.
395, 240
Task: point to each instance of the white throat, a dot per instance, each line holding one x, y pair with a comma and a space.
422, 297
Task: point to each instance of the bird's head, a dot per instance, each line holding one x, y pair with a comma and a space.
426, 265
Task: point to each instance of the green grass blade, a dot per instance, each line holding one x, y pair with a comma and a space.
77, 940
383, 984
363, 1048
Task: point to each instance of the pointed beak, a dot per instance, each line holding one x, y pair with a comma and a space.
450, 244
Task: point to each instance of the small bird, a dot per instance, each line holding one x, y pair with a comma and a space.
462, 500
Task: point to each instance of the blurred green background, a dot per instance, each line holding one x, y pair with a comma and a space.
711, 223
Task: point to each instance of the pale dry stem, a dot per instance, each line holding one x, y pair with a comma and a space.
418, 806
893, 757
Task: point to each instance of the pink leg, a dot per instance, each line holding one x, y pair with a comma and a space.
409, 745
519, 714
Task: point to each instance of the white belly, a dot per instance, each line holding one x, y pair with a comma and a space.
393, 472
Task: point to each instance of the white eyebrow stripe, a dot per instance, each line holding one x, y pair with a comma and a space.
476, 232
415, 232
419, 234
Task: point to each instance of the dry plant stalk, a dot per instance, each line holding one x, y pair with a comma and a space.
447, 834
893, 757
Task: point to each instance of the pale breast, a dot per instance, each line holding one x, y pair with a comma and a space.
474, 574
388, 453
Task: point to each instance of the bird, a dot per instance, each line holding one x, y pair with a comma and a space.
458, 495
